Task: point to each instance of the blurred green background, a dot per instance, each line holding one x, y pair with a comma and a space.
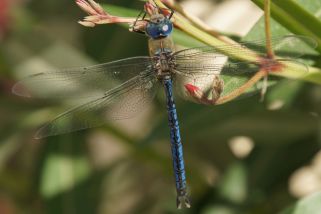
241, 157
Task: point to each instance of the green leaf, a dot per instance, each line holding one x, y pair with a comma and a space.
310, 204
295, 18
63, 161
74, 171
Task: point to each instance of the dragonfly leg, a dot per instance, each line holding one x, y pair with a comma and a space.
171, 15
201, 97
134, 26
217, 88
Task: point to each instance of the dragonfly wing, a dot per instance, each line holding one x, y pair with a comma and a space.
82, 82
205, 74
293, 46
198, 61
284, 46
233, 75
123, 101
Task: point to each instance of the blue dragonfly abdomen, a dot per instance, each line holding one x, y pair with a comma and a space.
161, 49
176, 147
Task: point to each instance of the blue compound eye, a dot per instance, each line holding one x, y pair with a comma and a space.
160, 29
152, 30
167, 27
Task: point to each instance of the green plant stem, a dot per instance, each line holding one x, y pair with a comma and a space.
267, 9
296, 19
250, 56
198, 23
239, 91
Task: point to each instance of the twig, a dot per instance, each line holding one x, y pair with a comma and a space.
267, 11
269, 48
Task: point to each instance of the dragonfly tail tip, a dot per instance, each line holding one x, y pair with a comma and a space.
183, 201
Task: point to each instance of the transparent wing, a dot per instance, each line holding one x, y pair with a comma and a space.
234, 75
123, 101
290, 46
201, 66
81, 82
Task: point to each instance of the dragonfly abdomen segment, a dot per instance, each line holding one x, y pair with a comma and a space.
176, 146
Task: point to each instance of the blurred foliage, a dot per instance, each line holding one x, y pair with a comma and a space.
125, 166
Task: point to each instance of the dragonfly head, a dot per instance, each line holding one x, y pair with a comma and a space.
159, 26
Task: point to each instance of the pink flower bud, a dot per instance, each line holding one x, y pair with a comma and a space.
97, 15
85, 7
97, 7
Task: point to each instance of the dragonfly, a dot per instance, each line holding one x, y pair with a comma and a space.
123, 88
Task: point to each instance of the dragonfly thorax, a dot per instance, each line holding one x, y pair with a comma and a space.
164, 64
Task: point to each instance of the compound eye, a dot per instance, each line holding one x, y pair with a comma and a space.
152, 30
165, 28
